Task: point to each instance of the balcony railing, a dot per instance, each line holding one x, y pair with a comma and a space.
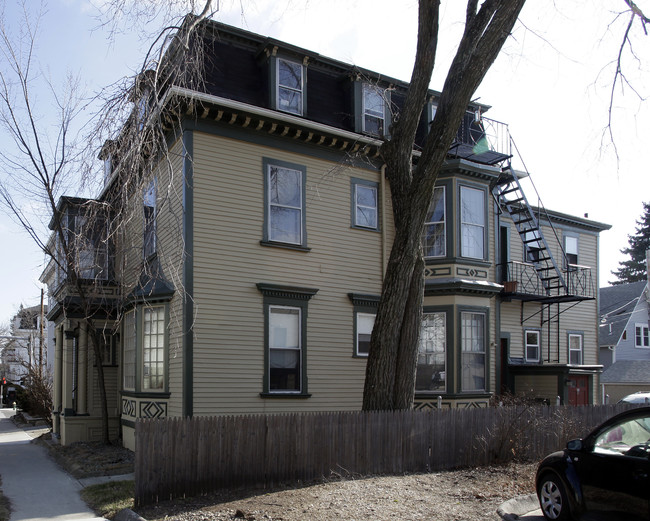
520, 279
482, 140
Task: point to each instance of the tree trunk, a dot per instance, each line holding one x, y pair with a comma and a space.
392, 359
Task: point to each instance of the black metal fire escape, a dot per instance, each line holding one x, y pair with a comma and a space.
510, 197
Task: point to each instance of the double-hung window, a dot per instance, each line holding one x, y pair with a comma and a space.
473, 354
285, 343
532, 246
153, 348
144, 348
575, 349
431, 372
290, 86
149, 218
285, 349
374, 110
365, 204
435, 232
472, 222
129, 344
533, 345
571, 251
641, 336
363, 327
285, 203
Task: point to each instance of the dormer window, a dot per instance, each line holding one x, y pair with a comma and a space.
372, 112
290, 87
108, 168
143, 108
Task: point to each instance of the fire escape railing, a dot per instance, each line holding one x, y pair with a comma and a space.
522, 278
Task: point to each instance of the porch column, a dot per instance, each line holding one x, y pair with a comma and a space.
68, 365
82, 372
58, 375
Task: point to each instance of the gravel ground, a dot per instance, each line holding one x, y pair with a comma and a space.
467, 495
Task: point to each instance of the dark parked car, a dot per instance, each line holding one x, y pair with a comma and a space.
604, 474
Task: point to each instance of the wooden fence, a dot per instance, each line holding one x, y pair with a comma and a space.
179, 457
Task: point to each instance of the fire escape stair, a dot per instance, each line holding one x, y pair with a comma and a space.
510, 197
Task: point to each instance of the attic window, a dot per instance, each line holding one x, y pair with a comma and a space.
108, 167
373, 110
143, 108
290, 86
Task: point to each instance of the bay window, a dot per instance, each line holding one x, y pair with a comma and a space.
431, 372
435, 232
472, 223
473, 351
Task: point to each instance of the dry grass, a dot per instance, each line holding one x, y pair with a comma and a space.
107, 499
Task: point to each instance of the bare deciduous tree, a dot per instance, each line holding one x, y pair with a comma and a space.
41, 161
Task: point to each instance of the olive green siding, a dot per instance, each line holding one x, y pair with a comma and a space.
537, 386
229, 261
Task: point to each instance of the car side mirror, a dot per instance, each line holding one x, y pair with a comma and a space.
574, 445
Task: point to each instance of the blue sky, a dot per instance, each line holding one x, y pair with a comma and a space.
551, 85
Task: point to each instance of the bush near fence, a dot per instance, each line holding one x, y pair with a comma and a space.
179, 457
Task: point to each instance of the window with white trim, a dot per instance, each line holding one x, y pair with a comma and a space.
473, 353
472, 222
532, 345
532, 246
431, 373
129, 344
364, 324
290, 86
575, 349
285, 349
365, 204
285, 192
571, 250
435, 228
641, 336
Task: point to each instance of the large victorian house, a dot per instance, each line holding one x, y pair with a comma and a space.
247, 274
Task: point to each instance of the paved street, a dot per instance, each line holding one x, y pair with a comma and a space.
37, 488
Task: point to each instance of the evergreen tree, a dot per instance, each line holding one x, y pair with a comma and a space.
634, 269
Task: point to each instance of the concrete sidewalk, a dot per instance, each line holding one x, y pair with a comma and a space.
37, 488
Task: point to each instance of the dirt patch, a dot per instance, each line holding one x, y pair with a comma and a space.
468, 495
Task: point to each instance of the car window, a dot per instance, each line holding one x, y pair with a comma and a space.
630, 438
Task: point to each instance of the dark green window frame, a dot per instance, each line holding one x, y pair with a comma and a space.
138, 314
461, 224
268, 165
290, 298
486, 349
448, 384
366, 305
355, 183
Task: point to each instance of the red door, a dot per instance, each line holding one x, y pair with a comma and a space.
578, 390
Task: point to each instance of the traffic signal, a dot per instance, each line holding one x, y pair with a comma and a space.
4, 380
